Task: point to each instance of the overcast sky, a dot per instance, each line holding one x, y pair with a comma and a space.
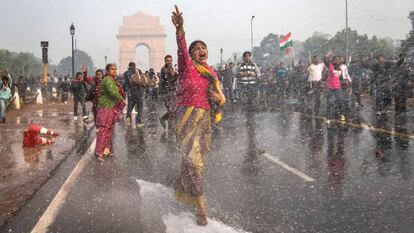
220, 23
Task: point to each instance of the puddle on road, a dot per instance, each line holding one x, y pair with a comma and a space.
158, 200
42, 113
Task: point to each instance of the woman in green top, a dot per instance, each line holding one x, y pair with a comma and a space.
111, 102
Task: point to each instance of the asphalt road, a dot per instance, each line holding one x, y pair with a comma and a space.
269, 171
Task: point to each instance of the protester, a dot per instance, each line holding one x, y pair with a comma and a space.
154, 81
5, 95
168, 87
299, 78
356, 72
282, 81
401, 80
111, 102
334, 101
315, 71
79, 91
345, 86
64, 88
135, 94
194, 114
94, 90
248, 75
228, 79
381, 82
22, 87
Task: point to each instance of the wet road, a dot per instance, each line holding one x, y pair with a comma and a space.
271, 171
24, 170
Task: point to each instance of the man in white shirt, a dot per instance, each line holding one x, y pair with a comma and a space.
345, 85
315, 71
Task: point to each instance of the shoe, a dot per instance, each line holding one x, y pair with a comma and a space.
3, 121
100, 158
128, 120
163, 124
139, 124
85, 117
342, 118
75, 118
379, 113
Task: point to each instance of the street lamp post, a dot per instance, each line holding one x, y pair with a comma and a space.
72, 33
347, 33
251, 33
221, 57
105, 60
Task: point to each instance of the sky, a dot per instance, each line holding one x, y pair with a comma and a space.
220, 23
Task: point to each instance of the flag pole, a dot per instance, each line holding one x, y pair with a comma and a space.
293, 53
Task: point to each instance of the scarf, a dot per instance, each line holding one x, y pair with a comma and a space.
216, 112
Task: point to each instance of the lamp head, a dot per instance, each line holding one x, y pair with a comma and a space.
72, 29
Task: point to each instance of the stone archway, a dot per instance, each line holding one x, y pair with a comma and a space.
141, 29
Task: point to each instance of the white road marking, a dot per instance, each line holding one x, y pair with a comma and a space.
50, 214
295, 171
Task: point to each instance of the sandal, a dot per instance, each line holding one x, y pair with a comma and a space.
100, 158
201, 217
109, 155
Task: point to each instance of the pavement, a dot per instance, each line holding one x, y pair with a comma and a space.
275, 170
25, 170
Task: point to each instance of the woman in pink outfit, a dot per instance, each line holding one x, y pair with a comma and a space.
194, 116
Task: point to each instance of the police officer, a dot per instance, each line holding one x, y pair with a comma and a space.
401, 78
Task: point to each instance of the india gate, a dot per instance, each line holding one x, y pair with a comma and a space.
141, 29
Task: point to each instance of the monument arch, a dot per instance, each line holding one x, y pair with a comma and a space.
137, 30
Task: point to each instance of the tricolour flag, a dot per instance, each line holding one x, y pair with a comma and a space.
286, 43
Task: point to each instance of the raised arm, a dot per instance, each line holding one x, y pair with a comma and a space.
327, 59
183, 54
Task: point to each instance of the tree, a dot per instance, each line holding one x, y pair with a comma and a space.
317, 44
268, 53
408, 44
360, 46
81, 59
17, 63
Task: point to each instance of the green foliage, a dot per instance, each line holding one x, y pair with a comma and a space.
81, 58
16, 63
268, 52
317, 44
407, 45
360, 46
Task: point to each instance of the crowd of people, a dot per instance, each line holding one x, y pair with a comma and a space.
194, 92
341, 84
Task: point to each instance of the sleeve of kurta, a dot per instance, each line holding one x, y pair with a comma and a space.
184, 59
109, 86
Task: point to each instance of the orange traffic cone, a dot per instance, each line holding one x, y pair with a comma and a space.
42, 141
42, 130
29, 139
32, 139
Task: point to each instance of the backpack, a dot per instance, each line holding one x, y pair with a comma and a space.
139, 80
